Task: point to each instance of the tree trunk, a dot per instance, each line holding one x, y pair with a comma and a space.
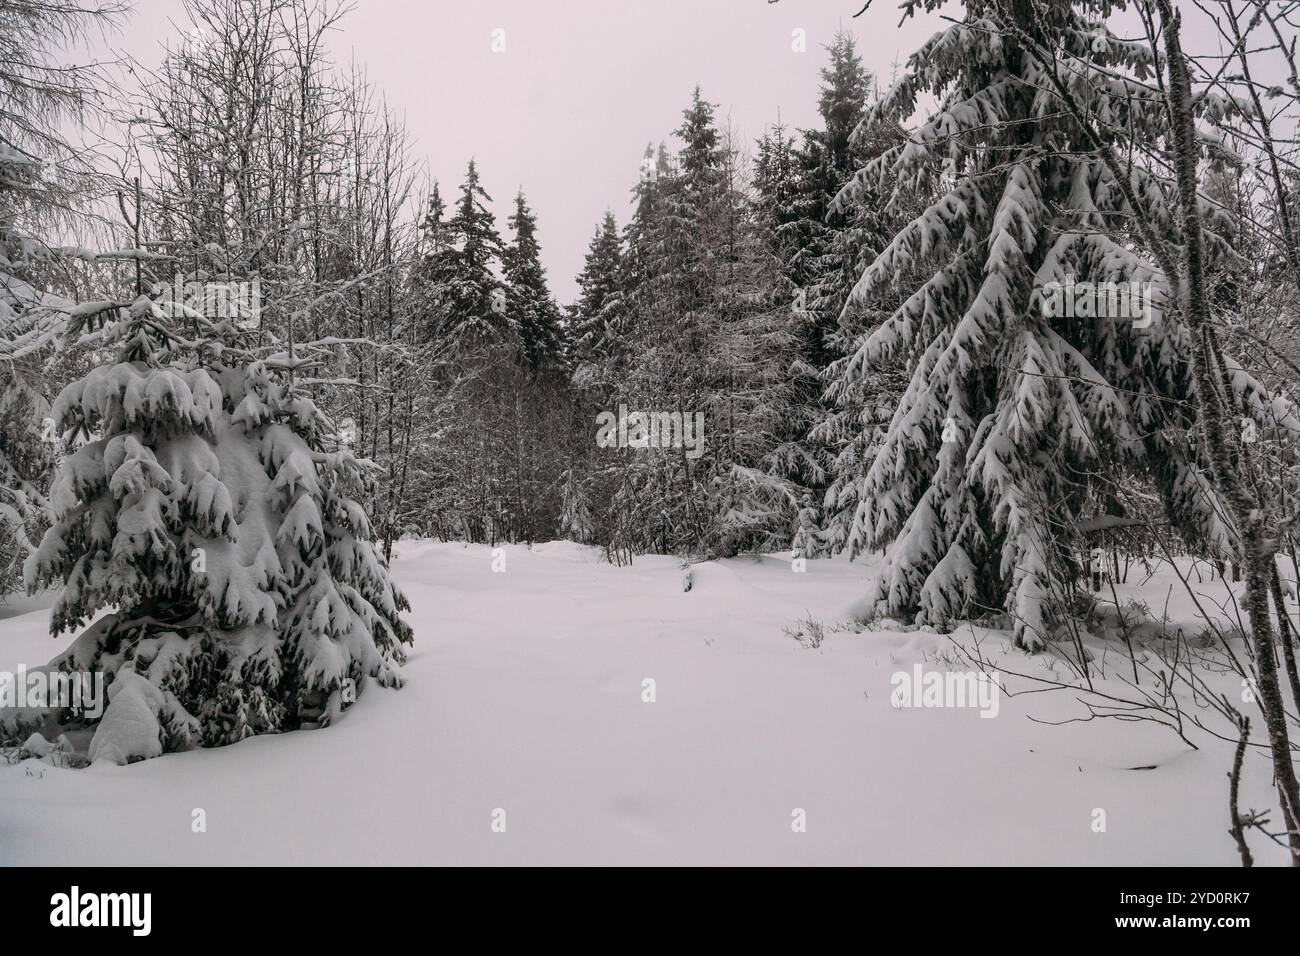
1256, 554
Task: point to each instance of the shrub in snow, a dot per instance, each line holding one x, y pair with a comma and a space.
205, 506
809, 540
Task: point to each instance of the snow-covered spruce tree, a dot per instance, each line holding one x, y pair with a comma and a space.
809, 540
823, 250
211, 507
639, 235
703, 338
823, 264
781, 208
777, 186
1010, 411
754, 401
473, 301
432, 267
661, 356
600, 294
855, 412
594, 354
27, 325
604, 376
534, 312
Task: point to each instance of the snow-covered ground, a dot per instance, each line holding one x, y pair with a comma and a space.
525, 694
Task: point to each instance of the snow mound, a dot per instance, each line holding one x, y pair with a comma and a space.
564, 550
37, 746
130, 728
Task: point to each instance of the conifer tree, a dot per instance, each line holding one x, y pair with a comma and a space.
823, 263
640, 236
474, 302
822, 249
211, 506
668, 355
533, 311
777, 185
781, 207
600, 293
1012, 407
704, 340
434, 268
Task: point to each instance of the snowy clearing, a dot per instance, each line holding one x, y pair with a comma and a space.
524, 694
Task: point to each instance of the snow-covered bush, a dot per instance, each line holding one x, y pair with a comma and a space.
205, 508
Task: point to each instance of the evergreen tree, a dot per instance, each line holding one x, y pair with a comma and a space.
666, 341
212, 507
31, 321
777, 184
686, 196
751, 394
435, 267
533, 311
781, 207
600, 293
640, 235
1013, 409
822, 266
473, 301
808, 537
852, 415
822, 249
703, 338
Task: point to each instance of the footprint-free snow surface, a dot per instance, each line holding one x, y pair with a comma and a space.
527, 734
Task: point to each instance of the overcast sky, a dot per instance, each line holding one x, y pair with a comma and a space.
566, 109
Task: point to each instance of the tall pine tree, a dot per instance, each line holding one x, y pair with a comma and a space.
473, 301
600, 294
533, 311
1013, 409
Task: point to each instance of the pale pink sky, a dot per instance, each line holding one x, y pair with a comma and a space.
567, 108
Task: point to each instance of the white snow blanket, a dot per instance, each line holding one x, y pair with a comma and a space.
527, 734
